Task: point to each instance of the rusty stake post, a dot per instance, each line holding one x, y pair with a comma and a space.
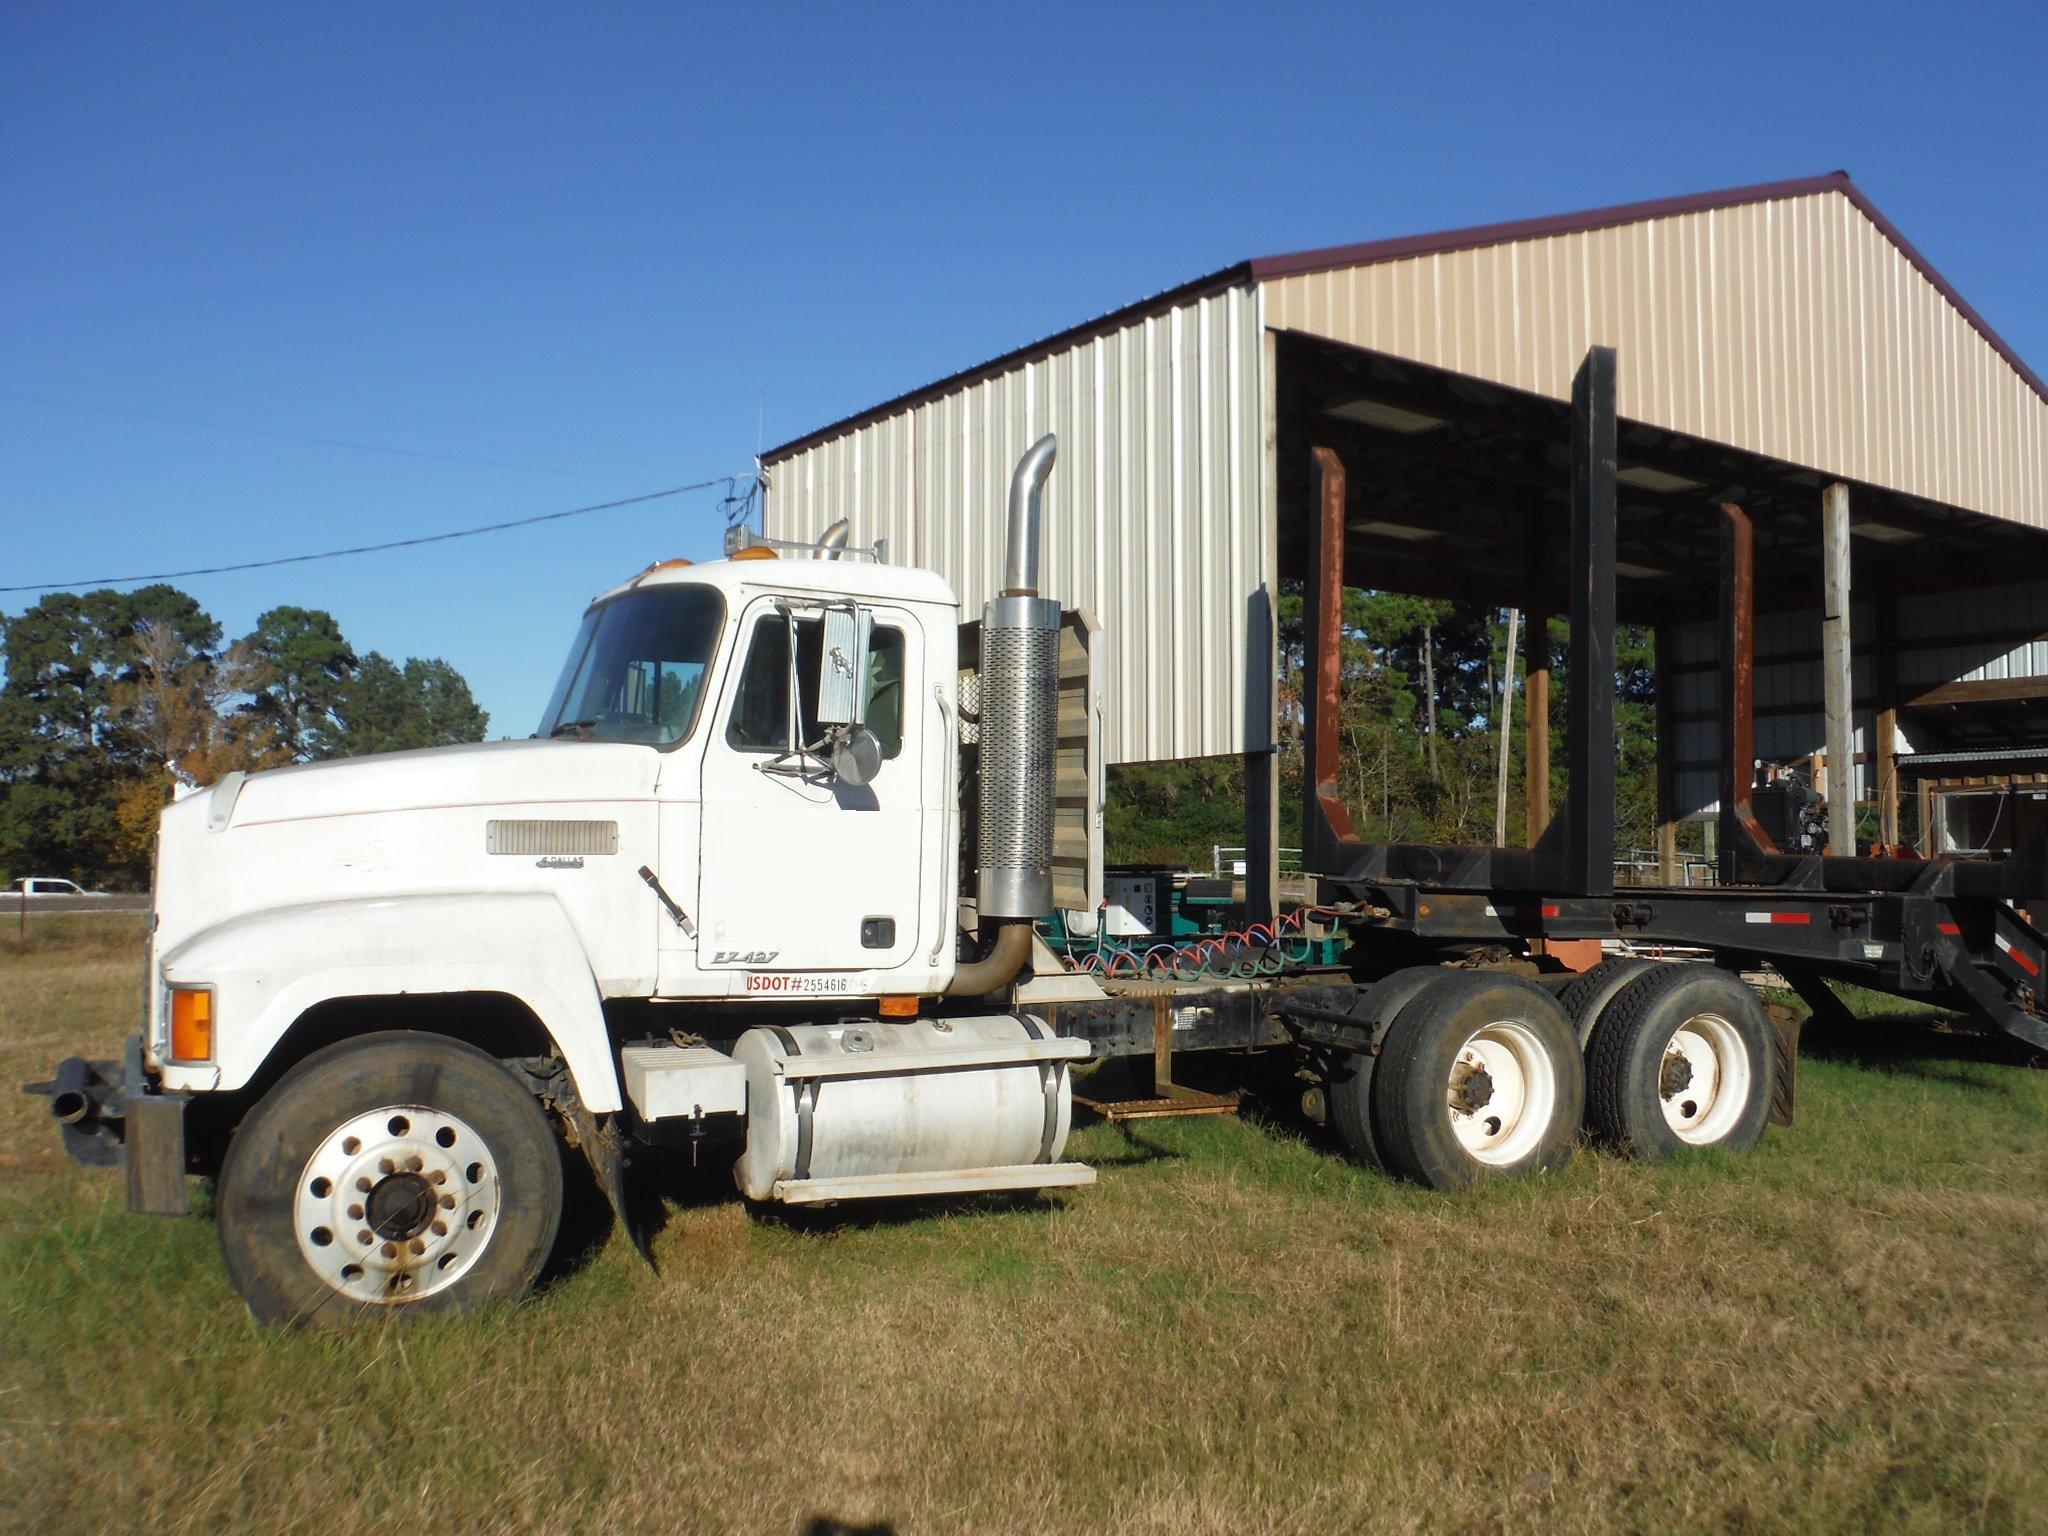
1326, 822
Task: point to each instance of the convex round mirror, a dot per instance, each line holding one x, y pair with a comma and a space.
857, 756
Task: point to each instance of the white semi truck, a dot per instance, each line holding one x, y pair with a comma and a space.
718, 892
766, 882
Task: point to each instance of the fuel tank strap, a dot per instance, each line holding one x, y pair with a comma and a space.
1051, 1077
806, 1103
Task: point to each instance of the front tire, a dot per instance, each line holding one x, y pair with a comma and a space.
1683, 1057
1480, 1077
398, 1172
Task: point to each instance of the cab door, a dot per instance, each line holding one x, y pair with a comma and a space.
801, 873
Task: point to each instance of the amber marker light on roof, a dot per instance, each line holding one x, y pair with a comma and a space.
753, 552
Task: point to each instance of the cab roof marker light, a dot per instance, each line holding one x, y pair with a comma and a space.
659, 566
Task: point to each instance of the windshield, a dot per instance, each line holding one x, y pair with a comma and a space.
636, 670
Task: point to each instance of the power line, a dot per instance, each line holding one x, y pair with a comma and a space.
729, 481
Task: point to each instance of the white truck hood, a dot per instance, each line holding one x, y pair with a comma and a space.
489, 773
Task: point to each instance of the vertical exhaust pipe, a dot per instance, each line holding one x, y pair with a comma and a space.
833, 540
1020, 663
1027, 507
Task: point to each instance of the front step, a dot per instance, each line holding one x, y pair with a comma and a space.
959, 1181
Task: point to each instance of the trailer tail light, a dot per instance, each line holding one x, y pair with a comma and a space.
191, 1024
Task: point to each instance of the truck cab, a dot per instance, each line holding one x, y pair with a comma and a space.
720, 885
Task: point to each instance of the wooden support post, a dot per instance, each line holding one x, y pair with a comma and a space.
1536, 684
1837, 680
1928, 841
1884, 746
1667, 758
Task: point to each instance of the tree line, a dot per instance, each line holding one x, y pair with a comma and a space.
114, 700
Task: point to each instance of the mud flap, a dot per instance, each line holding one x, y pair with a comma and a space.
1785, 1025
604, 1149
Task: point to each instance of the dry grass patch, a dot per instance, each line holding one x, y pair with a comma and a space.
1234, 1330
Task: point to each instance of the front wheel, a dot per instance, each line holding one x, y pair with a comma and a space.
391, 1172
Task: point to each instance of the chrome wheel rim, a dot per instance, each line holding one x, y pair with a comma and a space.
396, 1204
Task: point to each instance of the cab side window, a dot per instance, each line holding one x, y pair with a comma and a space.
760, 720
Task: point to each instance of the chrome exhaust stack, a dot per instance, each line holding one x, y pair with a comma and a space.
1020, 668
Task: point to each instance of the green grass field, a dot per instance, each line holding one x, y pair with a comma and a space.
1235, 1330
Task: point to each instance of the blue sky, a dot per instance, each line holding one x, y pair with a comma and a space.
279, 278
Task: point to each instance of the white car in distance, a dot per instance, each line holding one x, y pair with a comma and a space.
50, 885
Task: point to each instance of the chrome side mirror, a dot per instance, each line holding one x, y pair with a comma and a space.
856, 756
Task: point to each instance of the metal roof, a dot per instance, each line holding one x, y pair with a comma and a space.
1476, 237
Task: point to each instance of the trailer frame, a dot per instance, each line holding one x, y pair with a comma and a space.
1946, 929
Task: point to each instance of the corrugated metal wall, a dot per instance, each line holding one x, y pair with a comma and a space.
1792, 328
1155, 517
1790, 722
1933, 648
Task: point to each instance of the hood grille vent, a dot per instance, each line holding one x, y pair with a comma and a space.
546, 837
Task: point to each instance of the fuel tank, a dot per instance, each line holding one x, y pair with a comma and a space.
869, 1108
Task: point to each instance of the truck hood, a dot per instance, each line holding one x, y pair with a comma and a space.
486, 774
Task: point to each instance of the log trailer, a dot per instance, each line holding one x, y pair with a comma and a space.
772, 882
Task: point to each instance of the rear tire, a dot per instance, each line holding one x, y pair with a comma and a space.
1683, 1057
1480, 1077
1351, 1086
1589, 993
398, 1172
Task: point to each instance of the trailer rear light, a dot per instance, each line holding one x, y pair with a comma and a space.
191, 1024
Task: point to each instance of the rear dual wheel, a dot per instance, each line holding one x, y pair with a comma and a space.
1683, 1056
1479, 1076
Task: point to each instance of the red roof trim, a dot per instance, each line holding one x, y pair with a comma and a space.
1926, 269
1477, 237
1480, 236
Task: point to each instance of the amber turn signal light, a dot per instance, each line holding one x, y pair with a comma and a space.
899, 1007
191, 1024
